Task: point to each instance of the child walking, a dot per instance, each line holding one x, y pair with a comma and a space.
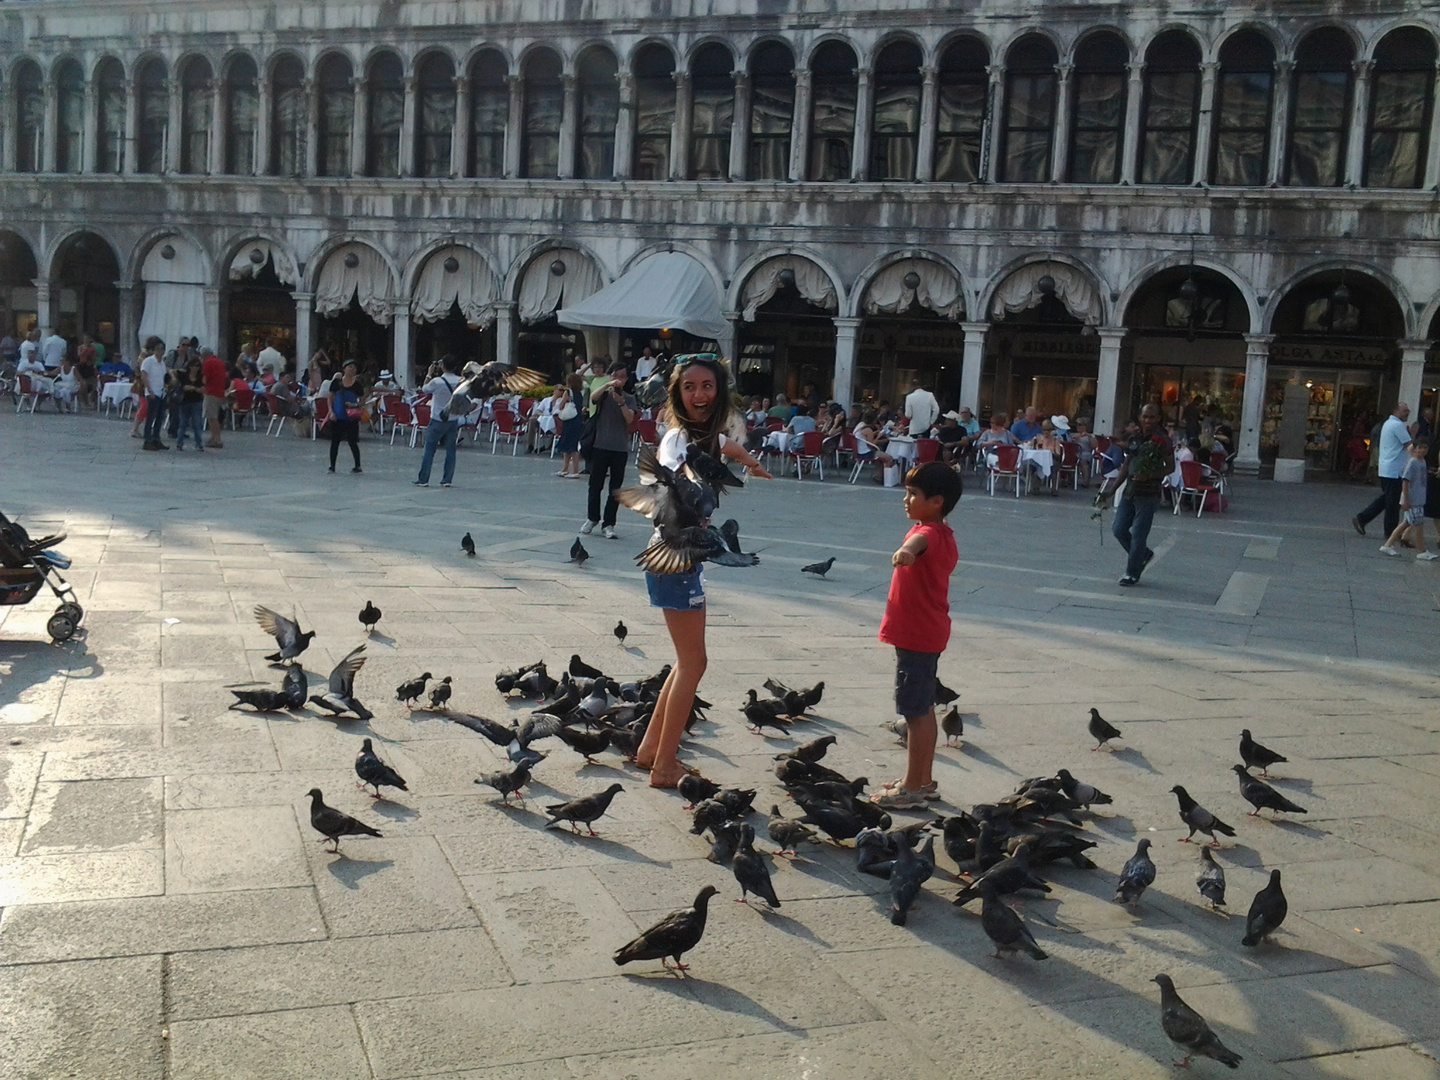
1412, 502
917, 623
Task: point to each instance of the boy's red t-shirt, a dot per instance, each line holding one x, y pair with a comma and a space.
917, 611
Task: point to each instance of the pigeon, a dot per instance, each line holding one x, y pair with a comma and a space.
739, 801
582, 811
907, 874
332, 824
585, 743
1010, 874
409, 691
762, 714
696, 789
339, 696
1078, 791
508, 783
496, 732
536, 683
1211, 880
440, 693
726, 842
899, 728
467, 545
873, 853
1004, 927
708, 813
672, 936
295, 685
1256, 756
835, 822
578, 554
952, 724
811, 751
286, 633
820, 569
369, 616
1262, 796
680, 502
581, 670
621, 631
291, 694
943, 694
486, 381
1198, 818
1188, 1030
1267, 912
730, 530
1137, 875
788, 833
750, 872
1101, 730
375, 772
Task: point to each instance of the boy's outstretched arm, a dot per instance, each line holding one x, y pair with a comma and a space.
910, 550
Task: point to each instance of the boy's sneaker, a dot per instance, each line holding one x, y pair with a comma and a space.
588, 528
1427, 556
419, 483
1127, 581
931, 791
1386, 549
609, 533
899, 799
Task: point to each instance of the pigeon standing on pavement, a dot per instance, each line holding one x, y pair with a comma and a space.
582, 811
621, 631
508, 783
819, 569
952, 724
750, 870
291, 694
1262, 796
332, 824
1211, 880
467, 545
286, 633
696, 789
375, 772
1256, 756
1101, 730
578, 554
1137, 875
1081, 792
1004, 927
339, 696
440, 693
1198, 818
1188, 1030
410, 690
1267, 912
788, 833
1010, 874
369, 616
672, 936
907, 874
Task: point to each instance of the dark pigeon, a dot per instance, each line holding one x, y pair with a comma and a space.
621, 631
726, 842
750, 871
1211, 880
820, 569
730, 530
291, 694
467, 545
906, 876
375, 772
680, 502
943, 694
486, 381
409, 691
440, 693
1004, 927
1137, 875
581, 670
508, 783
811, 751
762, 714
1256, 756
578, 554
696, 789
1009, 875
708, 813
673, 936
788, 833
952, 725
1198, 819
585, 743
1101, 730
1267, 912
369, 616
1262, 796
332, 824
339, 696
835, 822
1188, 1030
583, 811
496, 732
286, 633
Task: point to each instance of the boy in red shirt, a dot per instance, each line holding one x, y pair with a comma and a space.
917, 623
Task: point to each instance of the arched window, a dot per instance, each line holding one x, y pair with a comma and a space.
960, 110
654, 111
110, 116
1029, 110
1320, 113
1242, 111
1402, 96
29, 116
544, 103
489, 115
337, 115
69, 115
435, 125
599, 110
833, 90
712, 113
772, 111
1097, 126
385, 101
1172, 104
288, 117
197, 106
242, 112
895, 126
154, 109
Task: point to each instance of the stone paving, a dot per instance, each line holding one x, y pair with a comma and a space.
168, 913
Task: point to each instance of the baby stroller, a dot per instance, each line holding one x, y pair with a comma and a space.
27, 564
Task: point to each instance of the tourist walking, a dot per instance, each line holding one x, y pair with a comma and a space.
344, 422
192, 402
613, 410
1149, 458
1394, 438
443, 428
154, 373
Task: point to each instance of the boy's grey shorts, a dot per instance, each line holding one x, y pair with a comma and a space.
914, 682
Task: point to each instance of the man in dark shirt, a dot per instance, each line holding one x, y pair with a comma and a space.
952, 438
613, 410
1149, 458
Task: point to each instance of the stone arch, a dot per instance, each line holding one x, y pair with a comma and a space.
1397, 292
1199, 261
1367, 49
49, 261
1097, 308
935, 291
869, 57
538, 297
232, 250
1269, 33
735, 295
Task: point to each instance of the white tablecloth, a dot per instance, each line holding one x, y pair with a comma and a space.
1043, 459
114, 393
902, 446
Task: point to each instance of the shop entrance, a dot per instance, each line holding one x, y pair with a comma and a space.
1317, 414
83, 296
17, 286
260, 311
354, 335
452, 335
790, 343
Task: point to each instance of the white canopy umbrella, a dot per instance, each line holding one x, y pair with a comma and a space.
670, 290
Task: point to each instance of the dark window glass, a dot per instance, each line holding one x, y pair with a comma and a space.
1029, 110
110, 116
1402, 95
1097, 125
1320, 109
242, 108
197, 107
435, 125
772, 112
712, 112
654, 112
544, 103
1172, 104
599, 111
1242, 111
69, 116
960, 111
337, 116
154, 107
833, 90
895, 127
386, 115
489, 115
29, 118
288, 118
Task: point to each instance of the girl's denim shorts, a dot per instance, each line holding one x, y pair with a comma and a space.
677, 592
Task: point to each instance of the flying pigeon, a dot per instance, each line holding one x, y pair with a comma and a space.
508, 783
680, 503
952, 724
750, 871
1137, 875
672, 936
375, 772
1188, 1030
1256, 756
409, 691
820, 569
369, 616
582, 811
467, 545
621, 631
907, 874
1211, 880
286, 633
1080, 792
578, 554
332, 824
1267, 912
1262, 796
1101, 730
1198, 819
486, 381
440, 693
1004, 927
339, 696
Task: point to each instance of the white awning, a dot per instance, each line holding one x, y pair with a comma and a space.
367, 281
454, 275
253, 257
175, 275
670, 290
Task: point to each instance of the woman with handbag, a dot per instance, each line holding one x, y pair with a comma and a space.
345, 413
567, 440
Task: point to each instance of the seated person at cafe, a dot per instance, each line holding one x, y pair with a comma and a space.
793, 434
869, 443
1082, 438
30, 364
996, 433
66, 386
781, 409
952, 438
968, 424
1026, 427
835, 425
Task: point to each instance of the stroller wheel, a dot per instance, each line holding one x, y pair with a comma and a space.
73, 610
60, 628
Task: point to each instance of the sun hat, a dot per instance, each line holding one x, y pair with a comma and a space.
1061, 421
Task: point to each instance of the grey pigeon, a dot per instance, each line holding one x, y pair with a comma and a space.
1262, 796
339, 696
1004, 927
906, 876
332, 824
873, 854
789, 833
696, 789
680, 502
496, 732
1137, 875
952, 724
578, 554
1101, 730
369, 616
820, 569
672, 936
621, 631
286, 633
1198, 818
1009, 875
291, 694
585, 743
1188, 1030
375, 772
508, 783
1256, 756
811, 751
750, 871
899, 728
1080, 792
708, 813
467, 545
410, 690
726, 841
440, 693
1211, 880
295, 686
1267, 912
730, 530
582, 811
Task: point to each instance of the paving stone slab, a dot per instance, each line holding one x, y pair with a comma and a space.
95, 875
94, 815
390, 885
300, 1044
232, 848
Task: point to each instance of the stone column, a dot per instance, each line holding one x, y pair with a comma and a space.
460, 133
680, 131
89, 130
929, 105
1359, 120
9, 114
725, 342
212, 321
1252, 407
50, 126
505, 333
264, 117
740, 127
174, 127
972, 364
130, 148
311, 163
847, 345
127, 333
1205, 129
400, 328
994, 124
408, 124
1108, 377
359, 125
304, 329
513, 124
1275, 174
215, 163
43, 314
1060, 146
569, 122
1412, 372
1134, 98
800, 126
1432, 156
864, 107
625, 128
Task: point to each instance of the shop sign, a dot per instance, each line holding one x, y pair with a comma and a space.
913, 340
1322, 355
1059, 345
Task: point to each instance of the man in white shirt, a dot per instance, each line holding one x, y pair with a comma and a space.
52, 350
65, 386
645, 366
441, 388
1394, 438
921, 410
270, 359
29, 364
30, 348
153, 371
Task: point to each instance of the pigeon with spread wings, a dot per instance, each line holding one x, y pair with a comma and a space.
286, 633
485, 381
339, 696
680, 502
